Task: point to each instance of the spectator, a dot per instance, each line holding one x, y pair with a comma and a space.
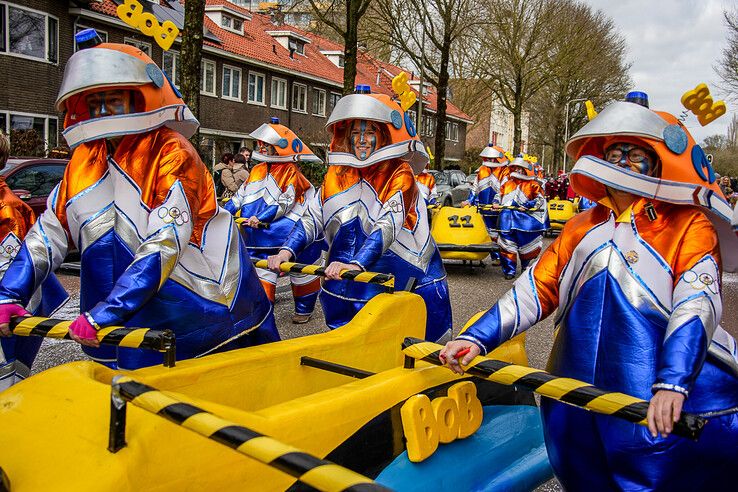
246, 153
240, 164
725, 186
218, 173
234, 175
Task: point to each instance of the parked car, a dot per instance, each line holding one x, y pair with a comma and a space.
33, 179
452, 186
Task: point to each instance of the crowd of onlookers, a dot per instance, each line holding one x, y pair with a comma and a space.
231, 172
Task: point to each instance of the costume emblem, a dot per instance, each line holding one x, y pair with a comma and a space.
9, 251
395, 206
700, 281
174, 214
631, 257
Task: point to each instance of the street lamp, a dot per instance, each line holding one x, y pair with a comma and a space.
566, 124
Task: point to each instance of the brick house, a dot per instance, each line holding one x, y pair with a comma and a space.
253, 67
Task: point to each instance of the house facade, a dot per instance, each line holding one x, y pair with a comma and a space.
254, 67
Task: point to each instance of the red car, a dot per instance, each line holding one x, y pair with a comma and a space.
33, 179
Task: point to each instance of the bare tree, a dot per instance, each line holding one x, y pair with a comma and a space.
517, 53
425, 32
591, 66
727, 67
192, 36
351, 11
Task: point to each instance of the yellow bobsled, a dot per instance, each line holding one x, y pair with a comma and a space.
461, 234
559, 213
335, 395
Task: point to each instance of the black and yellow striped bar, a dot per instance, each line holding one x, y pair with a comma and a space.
565, 390
490, 208
318, 473
161, 341
382, 279
260, 225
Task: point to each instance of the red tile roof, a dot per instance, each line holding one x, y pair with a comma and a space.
256, 44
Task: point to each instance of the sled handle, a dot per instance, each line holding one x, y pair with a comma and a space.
160, 340
565, 390
318, 473
383, 279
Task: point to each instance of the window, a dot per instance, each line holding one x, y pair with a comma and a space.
452, 131
207, 82
299, 98
231, 82
297, 46
145, 47
170, 65
429, 126
231, 24
38, 180
256, 88
79, 27
46, 127
28, 33
318, 102
279, 93
334, 97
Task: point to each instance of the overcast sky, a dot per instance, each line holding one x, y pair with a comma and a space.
673, 46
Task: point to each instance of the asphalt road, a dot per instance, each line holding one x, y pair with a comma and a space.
472, 290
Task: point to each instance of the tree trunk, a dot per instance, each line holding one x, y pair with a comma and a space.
350, 39
517, 116
191, 56
441, 95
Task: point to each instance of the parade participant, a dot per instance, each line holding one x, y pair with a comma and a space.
491, 175
636, 281
139, 204
371, 212
16, 218
427, 186
275, 194
522, 217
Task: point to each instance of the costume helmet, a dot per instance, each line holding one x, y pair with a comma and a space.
119, 66
686, 176
289, 148
527, 174
403, 144
491, 152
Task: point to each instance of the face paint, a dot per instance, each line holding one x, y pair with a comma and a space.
265, 148
363, 139
109, 103
633, 157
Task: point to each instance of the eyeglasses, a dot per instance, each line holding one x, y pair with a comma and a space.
618, 154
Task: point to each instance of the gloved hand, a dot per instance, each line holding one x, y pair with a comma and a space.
7, 311
83, 332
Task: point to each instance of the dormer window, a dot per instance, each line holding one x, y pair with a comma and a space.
297, 46
226, 17
231, 23
335, 57
290, 41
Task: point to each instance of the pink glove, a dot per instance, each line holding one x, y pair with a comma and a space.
82, 328
7, 311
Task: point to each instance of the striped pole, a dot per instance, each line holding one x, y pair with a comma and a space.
384, 279
565, 390
490, 208
161, 341
308, 469
260, 225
